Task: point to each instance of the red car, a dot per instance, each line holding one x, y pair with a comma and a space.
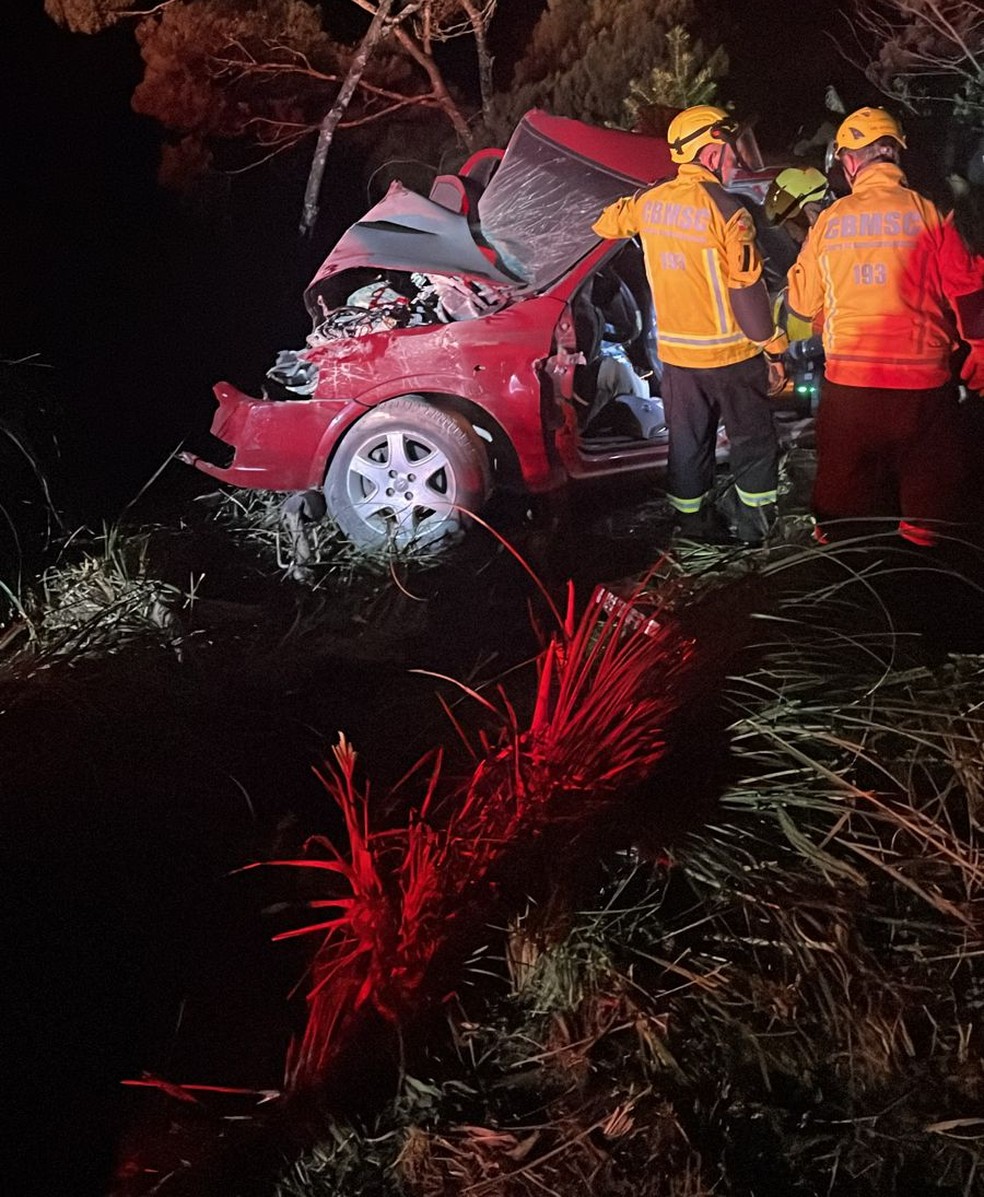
480, 338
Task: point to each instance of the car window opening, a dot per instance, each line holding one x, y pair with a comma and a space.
616, 389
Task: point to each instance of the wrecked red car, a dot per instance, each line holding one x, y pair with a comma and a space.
480, 338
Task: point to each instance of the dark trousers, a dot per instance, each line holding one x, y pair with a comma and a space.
903, 454
695, 401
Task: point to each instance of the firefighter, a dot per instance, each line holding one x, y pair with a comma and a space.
889, 428
714, 320
796, 198
962, 263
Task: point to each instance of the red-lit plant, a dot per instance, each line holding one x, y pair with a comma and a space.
418, 899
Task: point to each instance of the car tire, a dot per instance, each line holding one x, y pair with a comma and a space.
406, 476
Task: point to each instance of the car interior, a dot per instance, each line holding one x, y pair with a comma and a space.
616, 389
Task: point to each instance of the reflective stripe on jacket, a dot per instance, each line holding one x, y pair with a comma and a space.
694, 254
871, 266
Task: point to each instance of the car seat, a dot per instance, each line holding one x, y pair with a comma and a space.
643, 351
458, 194
461, 193
604, 311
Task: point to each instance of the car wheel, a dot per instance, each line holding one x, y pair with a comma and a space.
405, 476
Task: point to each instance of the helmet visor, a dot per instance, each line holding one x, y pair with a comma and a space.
778, 204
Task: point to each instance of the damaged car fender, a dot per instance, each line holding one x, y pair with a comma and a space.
278, 445
491, 367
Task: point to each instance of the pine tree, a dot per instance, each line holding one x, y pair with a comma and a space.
688, 75
584, 54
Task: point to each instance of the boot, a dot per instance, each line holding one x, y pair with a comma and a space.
706, 526
755, 523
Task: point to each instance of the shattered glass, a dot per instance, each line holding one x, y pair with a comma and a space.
538, 209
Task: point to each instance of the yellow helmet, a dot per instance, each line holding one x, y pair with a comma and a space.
696, 127
863, 127
791, 190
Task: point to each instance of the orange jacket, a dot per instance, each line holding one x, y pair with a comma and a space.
698, 244
871, 265
962, 276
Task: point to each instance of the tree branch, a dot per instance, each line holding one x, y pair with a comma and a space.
424, 101
328, 126
910, 40
438, 86
299, 130
946, 28
479, 19
237, 69
139, 13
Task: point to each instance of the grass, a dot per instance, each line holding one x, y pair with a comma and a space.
29, 450
306, 548
561, 996
105, 591
785, 1002
98, 599
415, 897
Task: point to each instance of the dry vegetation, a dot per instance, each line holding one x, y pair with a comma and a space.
785, 999
790, 1003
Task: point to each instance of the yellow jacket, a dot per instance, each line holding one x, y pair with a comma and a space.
699, 243
869, 264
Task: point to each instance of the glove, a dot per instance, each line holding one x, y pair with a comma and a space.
777, 375
972, 372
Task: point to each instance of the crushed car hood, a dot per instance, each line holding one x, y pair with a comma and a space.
555, 177
554, 180
407, 232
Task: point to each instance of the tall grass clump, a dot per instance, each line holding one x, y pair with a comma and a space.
99, 598
296, 536
414, 899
